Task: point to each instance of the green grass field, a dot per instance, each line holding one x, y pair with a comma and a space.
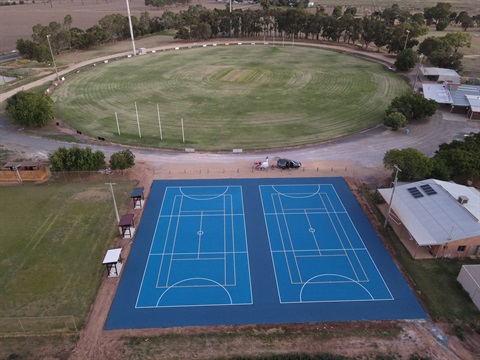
54, 238
247, 97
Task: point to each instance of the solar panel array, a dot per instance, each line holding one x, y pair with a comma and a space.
415, 192
428, 189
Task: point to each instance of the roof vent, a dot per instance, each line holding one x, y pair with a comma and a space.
463, 199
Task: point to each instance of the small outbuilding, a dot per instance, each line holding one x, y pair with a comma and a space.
469, 277
127, 225
138, 198
440, 75
113, 262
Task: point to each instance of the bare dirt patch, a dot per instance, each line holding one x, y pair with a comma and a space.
90, 195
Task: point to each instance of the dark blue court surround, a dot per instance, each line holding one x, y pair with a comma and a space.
396, 302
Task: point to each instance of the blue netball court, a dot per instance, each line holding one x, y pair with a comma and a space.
250, 251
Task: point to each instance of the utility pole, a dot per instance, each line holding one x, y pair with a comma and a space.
53, 58
397, 169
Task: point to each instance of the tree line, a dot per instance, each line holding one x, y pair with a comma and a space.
85, 159
393, 28
457, 160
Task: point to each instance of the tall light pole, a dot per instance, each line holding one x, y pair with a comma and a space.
114, 202
397, 169
406, 40
53, 58
131, 29
230, 35
418, 70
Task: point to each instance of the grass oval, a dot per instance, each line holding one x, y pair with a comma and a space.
254, 97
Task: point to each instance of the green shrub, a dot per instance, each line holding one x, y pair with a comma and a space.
122, 160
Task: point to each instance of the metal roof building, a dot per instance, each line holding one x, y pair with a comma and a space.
439, 213
440, 75
462, 98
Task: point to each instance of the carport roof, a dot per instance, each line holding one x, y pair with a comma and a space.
437, 218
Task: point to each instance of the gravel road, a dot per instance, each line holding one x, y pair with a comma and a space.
364, 150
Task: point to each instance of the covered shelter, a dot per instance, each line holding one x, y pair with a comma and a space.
463, 99
127, 225
113, 262
469, 277
473, 111
137, 197
440, 75
442, 219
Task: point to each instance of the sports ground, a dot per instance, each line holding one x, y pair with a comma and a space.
257, 251
223, 97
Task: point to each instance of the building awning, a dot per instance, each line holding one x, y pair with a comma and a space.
437, 92
126, 220
137, 193
112, 256
474, 102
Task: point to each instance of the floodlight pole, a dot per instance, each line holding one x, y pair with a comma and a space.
114, 202
131, 28
230, 35
118, 126
159, 123
138, 121
406, 40
418, 70
183, 131
53, 58
397, 169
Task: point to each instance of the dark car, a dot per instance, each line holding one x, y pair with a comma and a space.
288, 164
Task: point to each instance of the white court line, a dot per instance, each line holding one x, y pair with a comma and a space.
175, 237
298, 211
295, 195
203, 253
282, 239
348, 280
269, 241
340, 240
246, 247
361, 240
212, 196
313, 233
200, 232
342, 229
189, 279
225, 253
149, 251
